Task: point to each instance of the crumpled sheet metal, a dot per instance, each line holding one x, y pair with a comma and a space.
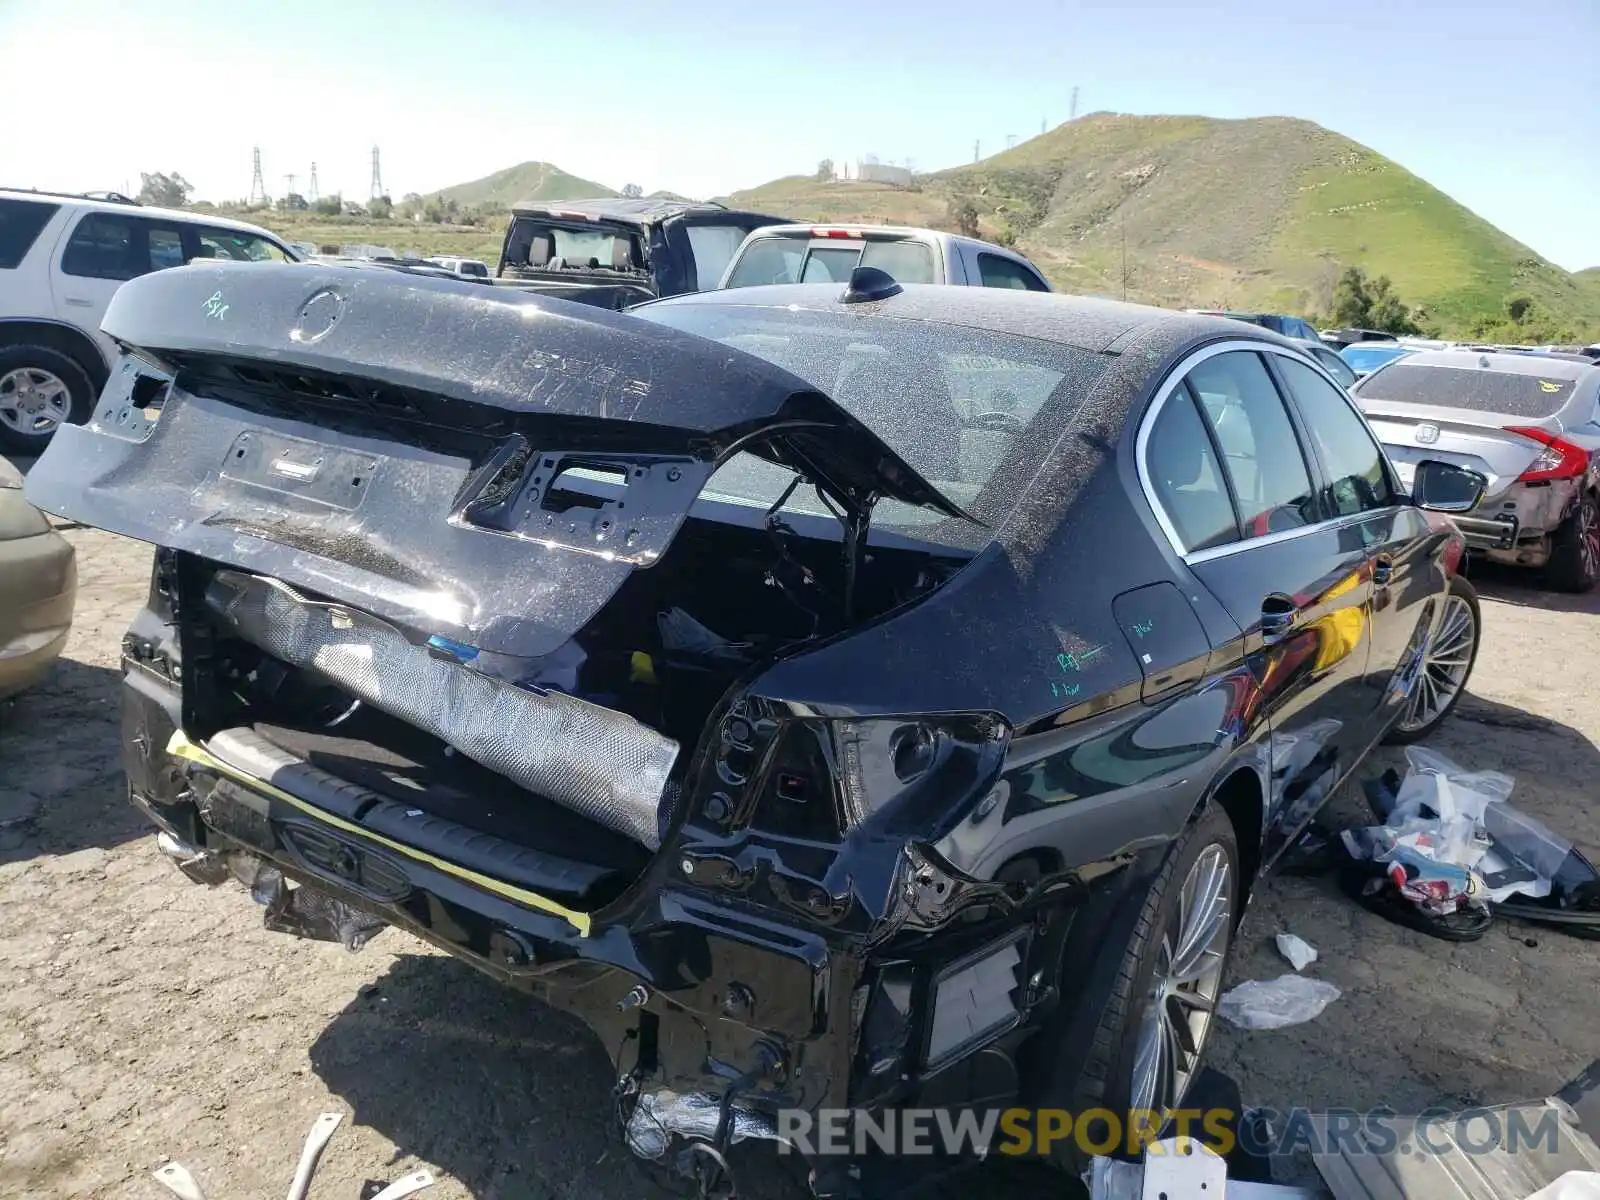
664, 1112
601, 764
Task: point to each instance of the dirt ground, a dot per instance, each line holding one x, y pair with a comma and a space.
144, 1018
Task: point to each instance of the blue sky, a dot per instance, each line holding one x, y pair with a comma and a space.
1496, 104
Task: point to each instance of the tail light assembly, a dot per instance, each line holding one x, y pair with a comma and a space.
1558, 460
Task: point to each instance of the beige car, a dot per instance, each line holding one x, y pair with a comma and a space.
38, 583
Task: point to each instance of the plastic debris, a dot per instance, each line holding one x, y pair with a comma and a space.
1276, 1003
1574, 1185
1300, 953
1451, 841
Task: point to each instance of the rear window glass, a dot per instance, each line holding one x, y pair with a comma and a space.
20, 223
799, 260
474, 268
954, 405
908, 262
830, 265
1478, 389
539, 246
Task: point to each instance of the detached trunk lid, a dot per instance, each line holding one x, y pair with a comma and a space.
479, 465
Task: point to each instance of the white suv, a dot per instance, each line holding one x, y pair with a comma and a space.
61, 259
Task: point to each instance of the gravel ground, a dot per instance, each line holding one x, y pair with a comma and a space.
143, 1018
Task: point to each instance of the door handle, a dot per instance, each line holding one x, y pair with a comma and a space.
79, 302
1382, 570
1278, 617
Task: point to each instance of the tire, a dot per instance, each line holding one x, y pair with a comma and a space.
1108, 1077
1461, 593
47, 369
1574, 564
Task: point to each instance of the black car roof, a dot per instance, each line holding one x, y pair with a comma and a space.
638, 212
1082, 322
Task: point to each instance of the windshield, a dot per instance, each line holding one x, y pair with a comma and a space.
800, 259
1477, 389
1370, 358
954, 403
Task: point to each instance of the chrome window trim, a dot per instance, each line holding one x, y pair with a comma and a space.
1176, 376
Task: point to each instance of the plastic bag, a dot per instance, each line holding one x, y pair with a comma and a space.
1300, 953
1452, 839
1276, 1003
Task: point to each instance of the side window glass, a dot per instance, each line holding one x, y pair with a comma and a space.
1187, 478
102, 247
1337, 367
1007, 273
232, 246
1358, 481
1260, 451
166, 248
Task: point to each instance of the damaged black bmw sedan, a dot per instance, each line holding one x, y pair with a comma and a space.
871, 698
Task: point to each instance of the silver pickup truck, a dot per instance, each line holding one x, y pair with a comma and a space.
828, 253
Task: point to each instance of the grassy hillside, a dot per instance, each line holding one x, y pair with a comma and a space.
525, 181
471, 241
1204, 212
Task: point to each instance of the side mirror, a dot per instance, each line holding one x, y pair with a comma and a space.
1446, 488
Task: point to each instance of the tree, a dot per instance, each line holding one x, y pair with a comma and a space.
1361, 303
293, 202
330, 206
381, 207
1518, 307
825, 171
1351, 304
963, 214
1388, 313
433, 210
632, 191
164, 191
410, 206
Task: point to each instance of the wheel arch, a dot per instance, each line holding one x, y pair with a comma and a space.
58, 335
1241, 795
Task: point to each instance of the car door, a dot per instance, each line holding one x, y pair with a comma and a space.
1226, 448
105, 250
1359, 485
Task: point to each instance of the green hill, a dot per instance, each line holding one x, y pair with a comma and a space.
525, 181
1264, 212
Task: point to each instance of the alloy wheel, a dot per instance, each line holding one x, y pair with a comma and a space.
1185, 985
1445, 662
1589, 539
33, 401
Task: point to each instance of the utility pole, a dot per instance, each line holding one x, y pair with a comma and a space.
377, 177
975, 144
1074, 115
1041, 126
289, 180
258, 186
311, 188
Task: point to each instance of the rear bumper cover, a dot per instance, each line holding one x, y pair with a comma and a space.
722, 994
1498, 533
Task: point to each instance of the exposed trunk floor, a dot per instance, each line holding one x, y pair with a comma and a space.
365, 750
